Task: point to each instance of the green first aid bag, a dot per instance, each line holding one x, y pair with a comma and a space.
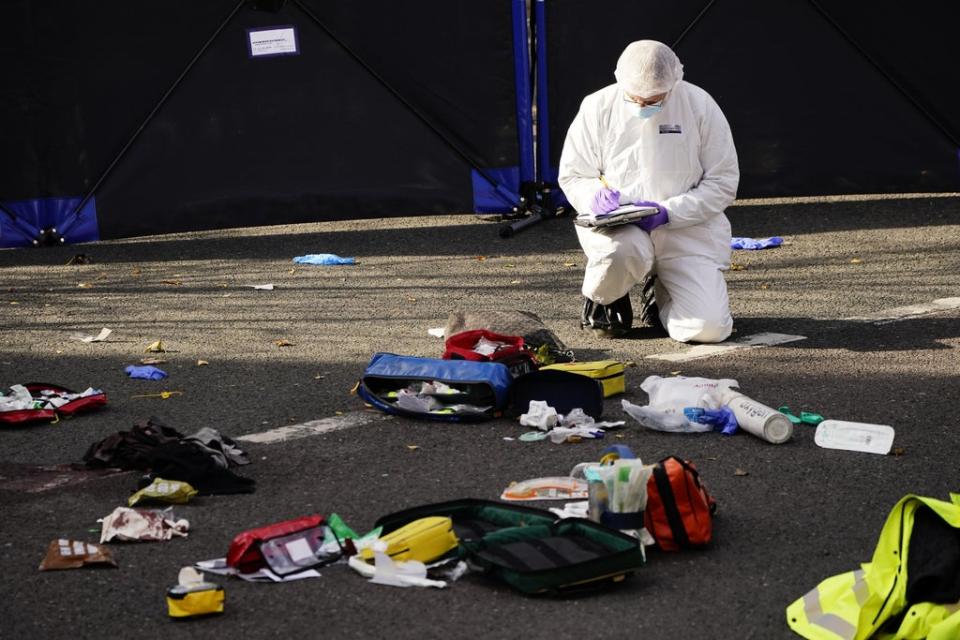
530, 549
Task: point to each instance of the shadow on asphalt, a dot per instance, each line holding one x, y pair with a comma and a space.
482, 237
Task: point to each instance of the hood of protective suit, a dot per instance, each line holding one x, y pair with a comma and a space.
647, 68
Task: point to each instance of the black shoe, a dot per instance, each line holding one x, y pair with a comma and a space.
649, 311
609, 321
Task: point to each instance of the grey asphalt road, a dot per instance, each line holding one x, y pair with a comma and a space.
800, 514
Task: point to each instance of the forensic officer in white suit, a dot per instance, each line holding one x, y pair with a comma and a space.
653, 139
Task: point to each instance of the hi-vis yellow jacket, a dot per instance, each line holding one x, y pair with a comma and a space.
909, 591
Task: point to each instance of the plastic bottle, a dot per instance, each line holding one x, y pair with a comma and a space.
757, 418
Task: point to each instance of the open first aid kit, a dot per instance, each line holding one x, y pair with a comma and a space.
610, 373
435, 389
530, 549
482, 345
43, 401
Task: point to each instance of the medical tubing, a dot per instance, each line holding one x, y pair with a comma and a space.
409, 105
96, 185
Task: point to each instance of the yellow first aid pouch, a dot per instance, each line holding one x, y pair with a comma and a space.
608, 372
194, 600
425, 540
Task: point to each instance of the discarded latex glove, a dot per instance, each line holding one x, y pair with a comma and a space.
539, 415
650, 223
661, 420
754, 243
145, 372
323, 259
576, 418
411, 573
605, 200
722, 419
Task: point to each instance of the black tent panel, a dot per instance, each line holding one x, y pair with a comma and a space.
78, 79
915, 44
160, 116
453, 59
316, 135
810, 114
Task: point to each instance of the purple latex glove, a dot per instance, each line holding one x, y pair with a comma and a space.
650, 223
605, 200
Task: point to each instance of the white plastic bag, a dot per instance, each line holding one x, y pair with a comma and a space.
673, 395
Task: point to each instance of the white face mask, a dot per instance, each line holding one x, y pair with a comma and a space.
644, 111
649, 110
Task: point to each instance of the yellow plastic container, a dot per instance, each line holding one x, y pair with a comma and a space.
199, 600
608, 372
425, 540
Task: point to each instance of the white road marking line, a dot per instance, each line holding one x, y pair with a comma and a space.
707, 350
314, 427
910, 311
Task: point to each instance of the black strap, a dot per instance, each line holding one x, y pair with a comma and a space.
669, 502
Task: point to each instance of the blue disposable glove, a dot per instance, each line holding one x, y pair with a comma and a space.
147, 372
605, 200
323, 259
722, 419
650, 223
755, 243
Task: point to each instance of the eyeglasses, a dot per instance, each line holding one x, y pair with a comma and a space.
645, 102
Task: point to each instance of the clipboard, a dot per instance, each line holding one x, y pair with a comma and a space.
622, 215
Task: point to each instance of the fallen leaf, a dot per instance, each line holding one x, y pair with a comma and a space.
898, 451
84, 285
855, 260
136, 271
736, 266
514, 282
152, 361
741, 472
292, 271
510, 265
175, 283
481, 258
412, 447
155, 347
675, 373
14, 302
283, 343
202, 363
569, 264
338, 413
765, 285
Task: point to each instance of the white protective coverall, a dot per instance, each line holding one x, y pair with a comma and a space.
682, 158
